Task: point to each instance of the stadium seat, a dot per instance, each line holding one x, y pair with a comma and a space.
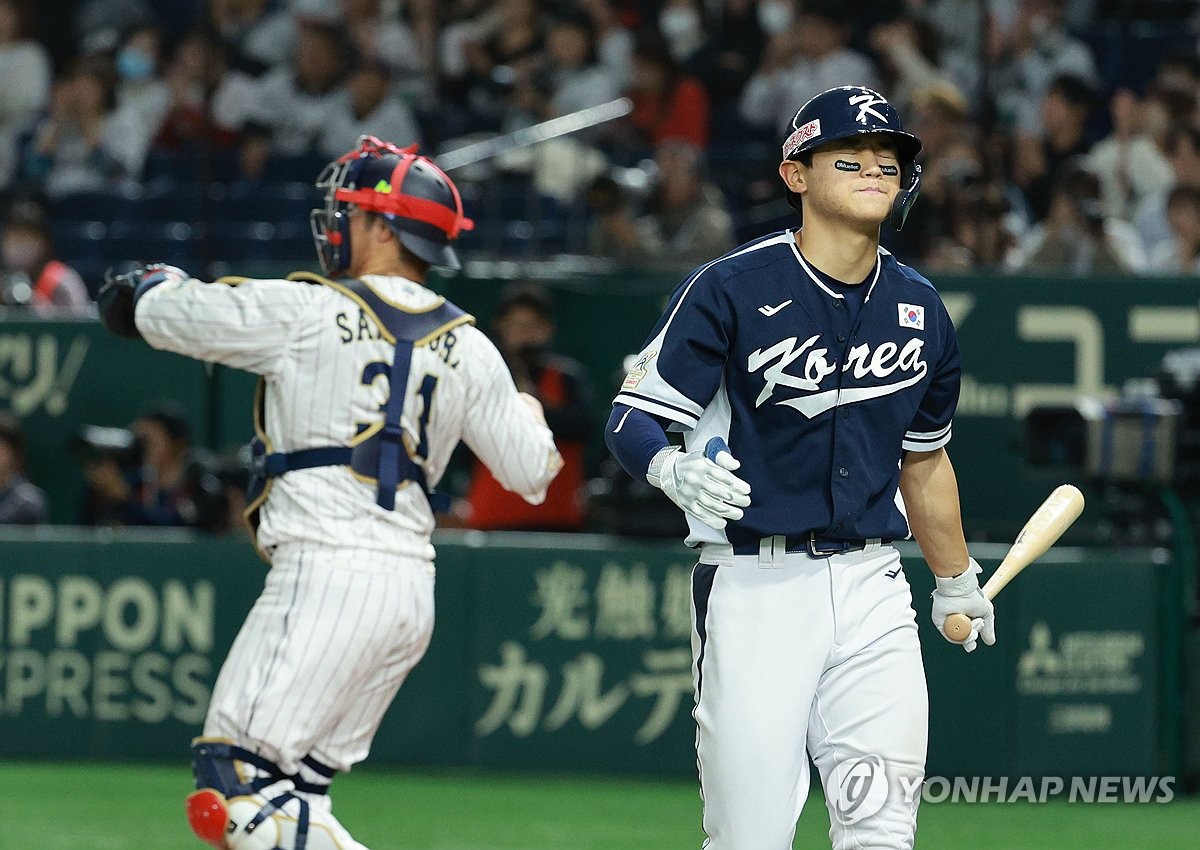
95, 206
277, 202
77, 241
239, 241
166, 202
175, 242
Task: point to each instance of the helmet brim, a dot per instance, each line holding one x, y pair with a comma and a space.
434, 253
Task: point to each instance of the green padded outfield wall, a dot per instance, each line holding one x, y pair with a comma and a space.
1024, 342
571, 653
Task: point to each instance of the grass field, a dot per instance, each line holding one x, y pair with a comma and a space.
135, 807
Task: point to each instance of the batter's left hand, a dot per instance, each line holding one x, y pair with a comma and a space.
962, 595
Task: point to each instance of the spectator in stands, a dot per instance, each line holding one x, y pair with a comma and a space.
613, 231
1183, 153
564, 78
258, 37
1037, 157
807, 58
959, 26
25, 76
297, 100
198, 80
953, 161
84, 144
909, 59
253, 153
1130, 165
370, 110
166, 484
979, 236
667, 103
1028, 55
1166, 108
386, 39
523, 328
30, 276
738, 40
21, 502
140, 86
685, 219
1181, 253
1076, 238
614, 42
99, 24
1181, 70
503, 45
682, 25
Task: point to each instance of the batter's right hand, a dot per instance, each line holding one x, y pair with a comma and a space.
705, 489
962, 595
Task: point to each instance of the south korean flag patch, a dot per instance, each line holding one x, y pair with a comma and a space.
912, 316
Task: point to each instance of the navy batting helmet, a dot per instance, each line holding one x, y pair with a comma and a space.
849, 111
415, 197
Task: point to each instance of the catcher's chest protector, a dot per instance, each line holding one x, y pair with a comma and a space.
380, 457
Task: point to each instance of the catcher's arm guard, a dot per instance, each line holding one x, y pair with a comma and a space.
122, 289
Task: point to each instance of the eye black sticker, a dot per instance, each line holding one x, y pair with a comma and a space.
889, 170
843, 165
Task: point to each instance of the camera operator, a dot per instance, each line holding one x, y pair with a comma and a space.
21, 502
30, 276
159, 480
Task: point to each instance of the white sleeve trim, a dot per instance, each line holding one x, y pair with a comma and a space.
663, 410
929, 441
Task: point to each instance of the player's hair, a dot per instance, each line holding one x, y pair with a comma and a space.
406, 256
171, 417
1075, 90
531, 296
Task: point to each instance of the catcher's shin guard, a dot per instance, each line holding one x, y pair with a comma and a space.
245, 802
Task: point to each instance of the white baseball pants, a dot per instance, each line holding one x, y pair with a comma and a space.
806, 657
322, 654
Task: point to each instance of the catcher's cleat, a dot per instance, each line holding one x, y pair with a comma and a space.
208, 816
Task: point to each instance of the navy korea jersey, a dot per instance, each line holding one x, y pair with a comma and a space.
816, 403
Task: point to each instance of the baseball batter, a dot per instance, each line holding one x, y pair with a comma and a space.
369, 381
822, 377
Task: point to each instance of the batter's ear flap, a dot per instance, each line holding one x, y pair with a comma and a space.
906, 197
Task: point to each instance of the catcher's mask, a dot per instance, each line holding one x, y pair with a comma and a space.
416, 198
848, 111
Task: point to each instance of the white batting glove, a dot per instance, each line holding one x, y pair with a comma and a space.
705, 489
962, 595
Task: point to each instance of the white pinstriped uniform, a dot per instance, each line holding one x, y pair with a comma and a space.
347, 609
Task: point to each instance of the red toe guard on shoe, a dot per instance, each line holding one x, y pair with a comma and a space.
208, 816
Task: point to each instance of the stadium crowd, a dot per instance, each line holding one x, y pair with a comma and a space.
1060, 135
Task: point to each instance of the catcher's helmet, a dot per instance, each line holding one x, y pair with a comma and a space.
416, 198
849, 111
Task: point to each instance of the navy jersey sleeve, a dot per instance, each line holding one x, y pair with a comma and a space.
679, 370
930, 428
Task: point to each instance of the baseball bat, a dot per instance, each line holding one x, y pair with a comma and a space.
1061, 508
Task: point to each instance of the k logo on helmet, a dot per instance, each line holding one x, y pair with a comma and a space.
865, 103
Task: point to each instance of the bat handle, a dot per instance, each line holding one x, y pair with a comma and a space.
957, 627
